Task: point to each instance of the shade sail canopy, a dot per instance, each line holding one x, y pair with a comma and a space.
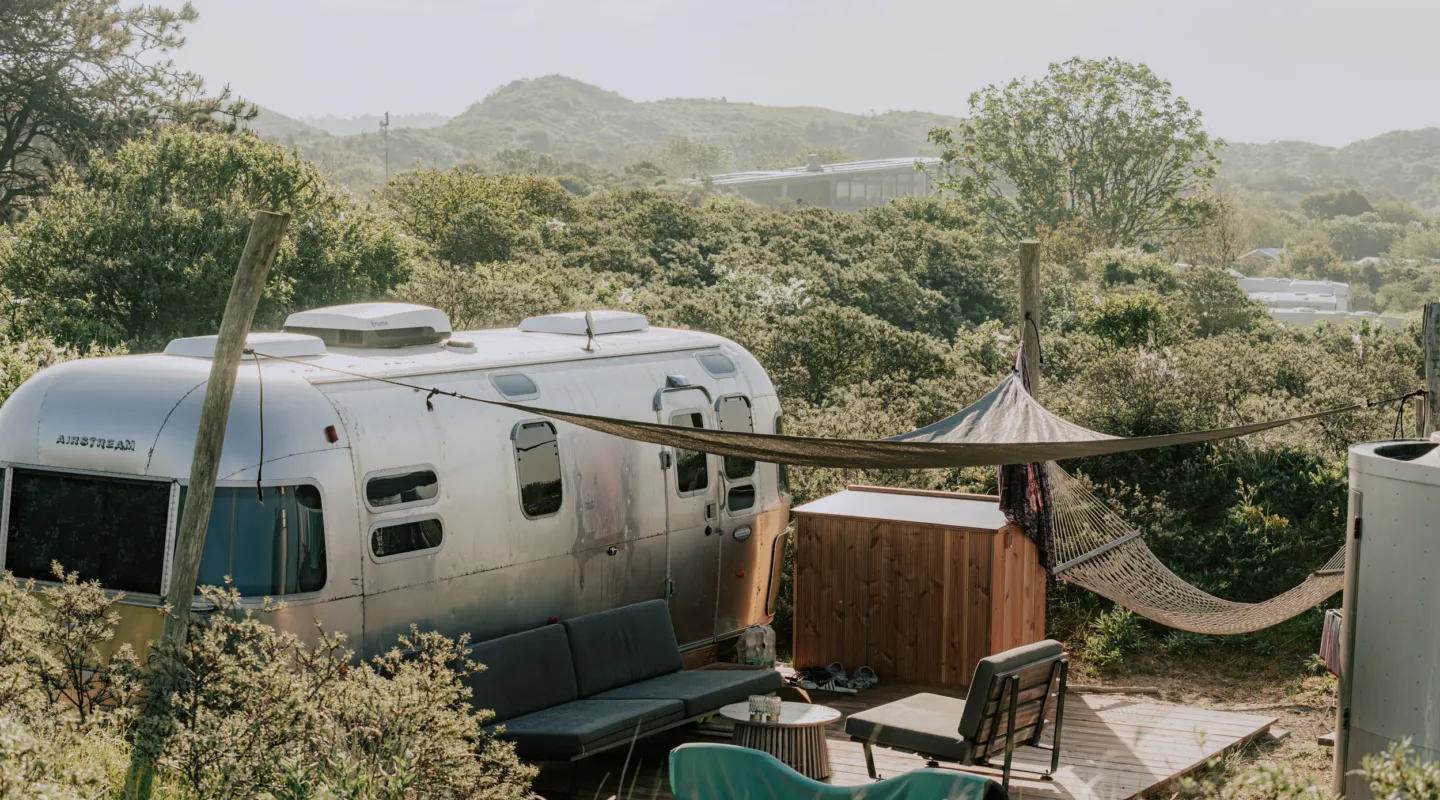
1006, 426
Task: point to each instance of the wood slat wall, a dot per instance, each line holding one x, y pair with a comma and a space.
915, 602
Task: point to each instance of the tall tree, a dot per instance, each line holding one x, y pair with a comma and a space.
1102, 144
81, 74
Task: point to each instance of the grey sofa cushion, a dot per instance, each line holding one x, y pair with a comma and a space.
622, 646
922, 723
703, 690
524, 672
582, 726
988, 668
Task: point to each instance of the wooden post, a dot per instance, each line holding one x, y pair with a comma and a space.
1431, 339
154, 728
1030, 319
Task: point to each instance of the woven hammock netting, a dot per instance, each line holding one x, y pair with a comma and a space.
1111, 560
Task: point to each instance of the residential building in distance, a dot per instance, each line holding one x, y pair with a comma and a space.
847, 186
1294, 301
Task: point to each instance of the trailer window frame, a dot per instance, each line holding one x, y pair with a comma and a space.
130, 597
395, 522
520, 479
750, 479
690, 411
326, 535
391, 472
514, 398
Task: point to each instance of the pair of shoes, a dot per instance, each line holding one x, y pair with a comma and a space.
864, 678
822, 679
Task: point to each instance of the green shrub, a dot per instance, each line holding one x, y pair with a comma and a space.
258, 713
1111, 636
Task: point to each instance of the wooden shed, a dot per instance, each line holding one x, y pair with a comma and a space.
918, 585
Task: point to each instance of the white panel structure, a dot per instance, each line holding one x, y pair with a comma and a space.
1392, 607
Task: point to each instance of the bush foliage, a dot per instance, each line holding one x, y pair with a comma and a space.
260, 713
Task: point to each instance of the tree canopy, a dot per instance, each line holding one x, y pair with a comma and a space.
79, 74
142, 245
1104, 144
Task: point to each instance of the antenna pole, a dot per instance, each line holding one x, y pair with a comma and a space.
385, 135
1030, 319
157, 722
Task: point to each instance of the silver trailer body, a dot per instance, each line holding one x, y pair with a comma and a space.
378, 513
1390, 678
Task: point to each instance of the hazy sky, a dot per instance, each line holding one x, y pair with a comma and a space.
1327, 72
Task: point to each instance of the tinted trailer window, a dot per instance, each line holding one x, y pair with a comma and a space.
108, 529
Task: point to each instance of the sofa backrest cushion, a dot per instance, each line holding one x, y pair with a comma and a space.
985, 671
622, 646
524, 672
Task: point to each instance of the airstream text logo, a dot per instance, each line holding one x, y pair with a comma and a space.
97, 443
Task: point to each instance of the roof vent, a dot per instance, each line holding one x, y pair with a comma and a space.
287, 345
573, 323
370, 325
812, 163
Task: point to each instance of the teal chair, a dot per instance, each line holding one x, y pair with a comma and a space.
727, 772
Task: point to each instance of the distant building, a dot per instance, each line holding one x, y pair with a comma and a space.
1295, 293
1263, 254
1309, 317
847, 186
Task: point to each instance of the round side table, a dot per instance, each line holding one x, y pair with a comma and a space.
796, 738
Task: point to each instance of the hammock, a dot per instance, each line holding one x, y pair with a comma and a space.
1100, 552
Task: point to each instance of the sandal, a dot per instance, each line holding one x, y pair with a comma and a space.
865, 677
837, 674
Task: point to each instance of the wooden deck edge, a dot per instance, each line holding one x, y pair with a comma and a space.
1238, 744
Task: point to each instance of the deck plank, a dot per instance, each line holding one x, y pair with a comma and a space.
1114, 747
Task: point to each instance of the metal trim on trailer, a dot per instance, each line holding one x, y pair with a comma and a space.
513, 365
5, 516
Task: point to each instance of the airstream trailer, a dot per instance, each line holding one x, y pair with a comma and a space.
368, 508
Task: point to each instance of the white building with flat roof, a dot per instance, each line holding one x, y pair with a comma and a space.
847, 186
1292, 292
1309, 317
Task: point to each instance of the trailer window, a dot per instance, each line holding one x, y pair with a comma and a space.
740, 498
413, 536
110, 530
716, 364
691, 474
268, 545
515, 386
537, 463
734, 415
405, 488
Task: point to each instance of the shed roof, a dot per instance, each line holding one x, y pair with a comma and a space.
921, 508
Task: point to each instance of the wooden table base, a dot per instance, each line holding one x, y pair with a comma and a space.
802, 748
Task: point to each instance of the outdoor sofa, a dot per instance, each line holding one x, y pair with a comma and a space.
572, 689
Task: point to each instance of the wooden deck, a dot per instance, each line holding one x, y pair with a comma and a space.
1114, 747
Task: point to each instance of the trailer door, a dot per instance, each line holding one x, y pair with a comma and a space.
692, 520
741, 598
